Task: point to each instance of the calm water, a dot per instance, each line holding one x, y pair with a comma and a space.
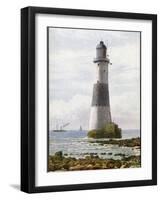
76, 144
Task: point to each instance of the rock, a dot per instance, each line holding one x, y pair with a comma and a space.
97, 166
59, 154
110, 130
119, 154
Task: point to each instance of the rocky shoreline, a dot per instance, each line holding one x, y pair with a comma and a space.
134, 142
92, 161
61, 163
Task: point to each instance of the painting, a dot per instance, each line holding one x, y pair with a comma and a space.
94, 94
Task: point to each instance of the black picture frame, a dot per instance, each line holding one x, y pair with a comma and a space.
28, 98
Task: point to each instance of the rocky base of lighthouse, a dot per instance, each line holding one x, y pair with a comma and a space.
110, 130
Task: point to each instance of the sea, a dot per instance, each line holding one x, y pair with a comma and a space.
77, 144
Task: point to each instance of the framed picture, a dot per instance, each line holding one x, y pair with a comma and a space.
88, 99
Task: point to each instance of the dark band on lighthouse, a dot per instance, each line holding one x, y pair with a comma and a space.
100, 95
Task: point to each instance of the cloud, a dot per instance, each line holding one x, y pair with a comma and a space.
125, 110
75, 111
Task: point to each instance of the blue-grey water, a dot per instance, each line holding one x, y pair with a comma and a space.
76, 144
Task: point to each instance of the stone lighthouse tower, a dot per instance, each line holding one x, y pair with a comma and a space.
100, 109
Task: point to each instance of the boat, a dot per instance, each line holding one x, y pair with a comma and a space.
61, 128
58, 130
80, 128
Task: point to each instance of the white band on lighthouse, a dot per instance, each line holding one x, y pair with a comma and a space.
102, 72
99, 115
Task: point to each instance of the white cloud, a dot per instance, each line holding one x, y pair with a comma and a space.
75, 111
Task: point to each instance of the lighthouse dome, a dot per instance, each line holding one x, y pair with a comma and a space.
101, 53
101, 45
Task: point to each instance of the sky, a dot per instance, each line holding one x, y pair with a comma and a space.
72, 74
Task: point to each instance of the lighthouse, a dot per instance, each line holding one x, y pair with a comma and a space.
100, 114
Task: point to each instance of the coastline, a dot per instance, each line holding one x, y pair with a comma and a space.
64, 162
